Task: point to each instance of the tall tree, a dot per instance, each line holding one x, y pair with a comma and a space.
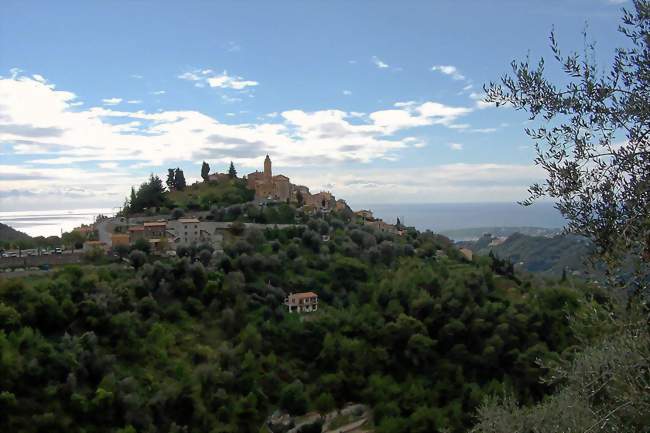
205, 171
133, 200
171, 182
179, 179
593, 140
231, 171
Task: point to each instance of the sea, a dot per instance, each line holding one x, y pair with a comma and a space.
51, 222
438, 217
441, 217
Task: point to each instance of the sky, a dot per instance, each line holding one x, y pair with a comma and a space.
376, 101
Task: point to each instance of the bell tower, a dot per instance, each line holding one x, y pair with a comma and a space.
267, 168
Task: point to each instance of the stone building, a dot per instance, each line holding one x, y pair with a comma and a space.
218, 177
267, 186
155, 229
279, 188
188, 231
382, 226
135, 233
119, 239
321, 200
467, 253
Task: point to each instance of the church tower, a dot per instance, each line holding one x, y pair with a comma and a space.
267, 168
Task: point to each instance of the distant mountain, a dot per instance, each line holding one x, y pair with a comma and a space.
10, 234
538, 254
474, 233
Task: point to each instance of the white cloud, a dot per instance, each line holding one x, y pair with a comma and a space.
108, 165
616, 2
479, 101
379, 63
449, 70
435, 183
137, 76
29, 149
202, 77
59, 135
347, 92
112, 101
455, 146
484, 130
159, 92
134, 101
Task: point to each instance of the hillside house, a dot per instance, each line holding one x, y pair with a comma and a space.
382, 226
467, 253
135, 233
304, 302
364, 214
119, 239
155, 229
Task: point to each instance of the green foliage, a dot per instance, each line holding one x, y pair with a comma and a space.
176, 344
73, 239
151, 194
293, 398
137, 258
205, 171
208, 195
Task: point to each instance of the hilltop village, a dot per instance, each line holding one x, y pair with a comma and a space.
167, 229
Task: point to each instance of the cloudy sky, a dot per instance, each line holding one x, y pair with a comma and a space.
376, 101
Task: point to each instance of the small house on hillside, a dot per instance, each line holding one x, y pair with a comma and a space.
304, 302
119, 239
467, 253
155, 229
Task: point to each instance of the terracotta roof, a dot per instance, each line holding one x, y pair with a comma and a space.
93, 242
155, 224
303, 295
188, 220
136, 228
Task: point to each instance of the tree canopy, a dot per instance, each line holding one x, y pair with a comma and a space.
593, 140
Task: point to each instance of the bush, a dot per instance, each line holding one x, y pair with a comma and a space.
137, 258
178, 213
293, 398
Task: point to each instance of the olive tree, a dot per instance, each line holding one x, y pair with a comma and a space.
592, 139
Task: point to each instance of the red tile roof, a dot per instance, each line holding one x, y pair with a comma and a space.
303, 295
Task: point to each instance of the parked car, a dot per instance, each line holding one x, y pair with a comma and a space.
58, 251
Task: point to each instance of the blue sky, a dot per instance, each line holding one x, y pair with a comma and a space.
376, 101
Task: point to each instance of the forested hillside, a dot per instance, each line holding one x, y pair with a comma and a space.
551, 256
179, 345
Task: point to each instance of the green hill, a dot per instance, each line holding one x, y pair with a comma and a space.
538, 254
182, 345
8, 234
204, 195
471, 234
